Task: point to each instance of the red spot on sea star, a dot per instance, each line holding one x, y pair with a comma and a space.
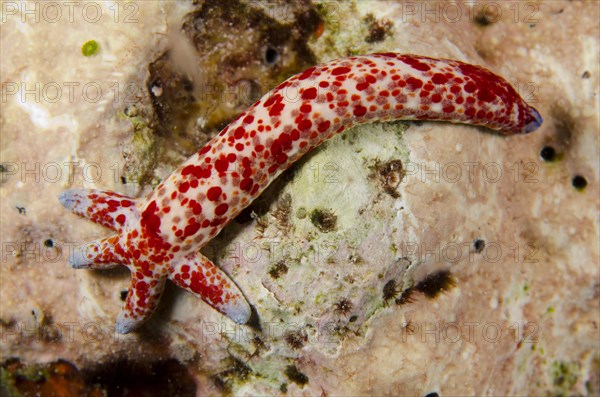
439, 78
309, 93
276, 109
221, 165
214, 193
360, 110
340, 70
323, 126
149, 217
246, 184
414, 84
221, 209
184, 187
191, 229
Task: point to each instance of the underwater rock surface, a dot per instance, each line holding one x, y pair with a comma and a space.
407, 258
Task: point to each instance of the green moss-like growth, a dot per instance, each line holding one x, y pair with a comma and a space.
278, 269
90, 48
236, 372
323, 219
242, 52
59, 378
293, 374
564, 376
139, 168
349, 30
378, 28
7, 384
389, 174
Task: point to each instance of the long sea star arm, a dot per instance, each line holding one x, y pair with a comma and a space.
160, 235
201, 277
142, 298
97, 255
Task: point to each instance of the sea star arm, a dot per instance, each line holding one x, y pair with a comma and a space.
142, 298
198, 275
109, 209
97, 255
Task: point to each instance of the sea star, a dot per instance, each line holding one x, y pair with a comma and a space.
159, 236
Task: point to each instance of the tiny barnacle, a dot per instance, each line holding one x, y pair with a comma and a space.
259, 346
378, 29
406, 297
343, 306
282, 212
390, 291
436, 283
296, 339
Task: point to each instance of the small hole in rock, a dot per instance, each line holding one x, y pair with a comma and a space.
548, 153
479, 245
271, 56
579, 182
49, 243
188, 85
130, 111
482, 20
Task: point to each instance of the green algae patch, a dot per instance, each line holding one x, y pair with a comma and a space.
350, 29
90, 48
229, 55
323, 219
237, 372
293, 374
58, 378
145, 151
564, 375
